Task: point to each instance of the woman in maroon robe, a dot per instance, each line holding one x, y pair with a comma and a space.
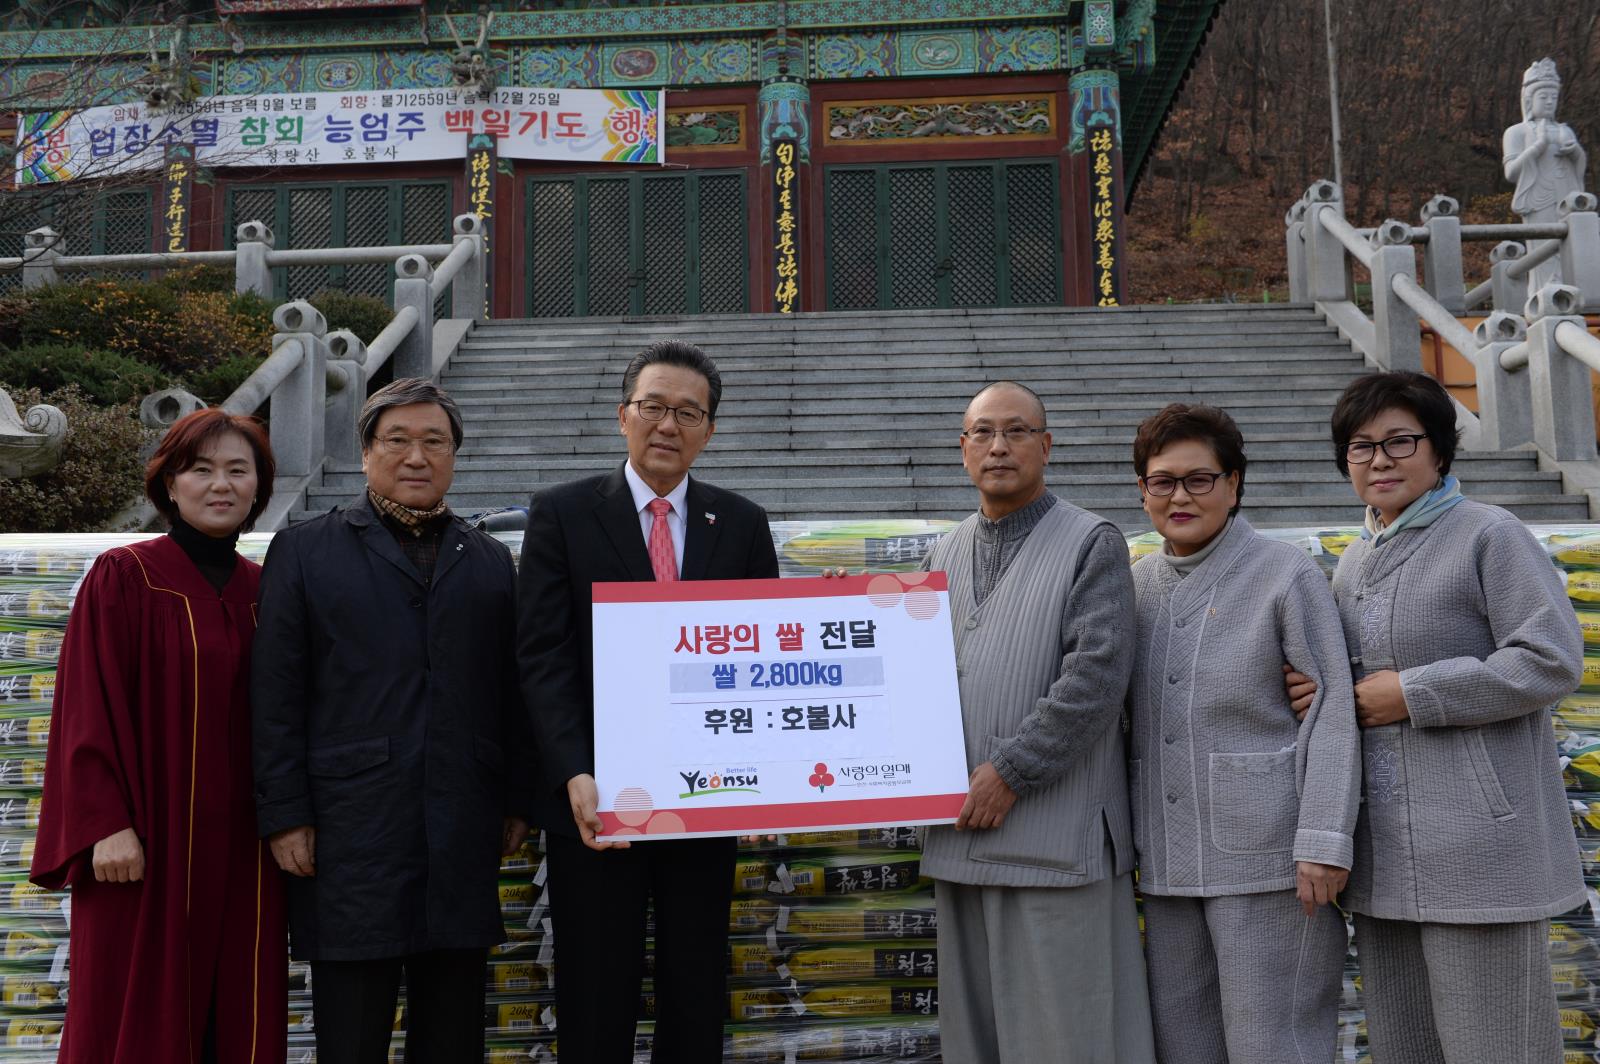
177, 926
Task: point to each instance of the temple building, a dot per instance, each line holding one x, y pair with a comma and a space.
806, 154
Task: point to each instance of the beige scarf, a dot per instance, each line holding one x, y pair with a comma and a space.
413, 521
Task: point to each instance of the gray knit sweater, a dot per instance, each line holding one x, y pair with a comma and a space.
1042, 665
1228, 789
1464, 818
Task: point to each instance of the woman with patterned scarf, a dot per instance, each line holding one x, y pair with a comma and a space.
1461, 640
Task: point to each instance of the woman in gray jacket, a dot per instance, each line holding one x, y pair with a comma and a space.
1243, 814
1462, 638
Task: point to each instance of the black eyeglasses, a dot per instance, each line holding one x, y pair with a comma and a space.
1193, 483
1015, 435
687, 416
1403, 446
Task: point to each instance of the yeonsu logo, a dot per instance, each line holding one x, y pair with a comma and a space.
700, 784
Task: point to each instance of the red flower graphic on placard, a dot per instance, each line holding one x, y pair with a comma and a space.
821, 778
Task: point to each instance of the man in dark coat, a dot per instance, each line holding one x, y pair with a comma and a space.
648, 520
389, 733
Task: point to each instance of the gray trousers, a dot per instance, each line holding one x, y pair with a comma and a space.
1042, 975
1458, 993
1243, 979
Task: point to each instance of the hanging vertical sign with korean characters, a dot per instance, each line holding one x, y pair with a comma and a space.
177, 182
481, 166
785, 228
727, 707
1103, 214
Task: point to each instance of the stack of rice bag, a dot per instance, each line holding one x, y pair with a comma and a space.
38, 575
1575, 938
833, 954
832, 950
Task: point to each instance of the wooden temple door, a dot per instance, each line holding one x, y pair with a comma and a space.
643, 243
942, 234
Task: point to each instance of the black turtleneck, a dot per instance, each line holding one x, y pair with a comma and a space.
214, 556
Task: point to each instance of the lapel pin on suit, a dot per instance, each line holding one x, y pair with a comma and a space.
711, 519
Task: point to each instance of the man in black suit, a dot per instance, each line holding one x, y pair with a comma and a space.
648, 520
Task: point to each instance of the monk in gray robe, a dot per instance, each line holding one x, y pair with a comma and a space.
1038, 937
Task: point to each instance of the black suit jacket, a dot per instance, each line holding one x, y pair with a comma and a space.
586, 532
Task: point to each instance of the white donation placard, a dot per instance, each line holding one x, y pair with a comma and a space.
730, 707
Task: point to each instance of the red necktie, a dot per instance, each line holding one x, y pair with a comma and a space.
663, 559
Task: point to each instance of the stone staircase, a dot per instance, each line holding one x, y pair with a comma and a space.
845, 415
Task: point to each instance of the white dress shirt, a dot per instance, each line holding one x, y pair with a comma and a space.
644, 494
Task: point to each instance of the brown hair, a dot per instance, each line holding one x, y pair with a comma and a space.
1209, 425
1416, 393
180, 448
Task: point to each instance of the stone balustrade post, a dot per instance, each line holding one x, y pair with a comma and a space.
163, 409
1580, 251
1327, 270
412, 288
41, 249
467, 291
1442, 274
252, 241
298, 404
1295, 245
1505, 398
1563, 406
1398, 332
1507, 292
347, 391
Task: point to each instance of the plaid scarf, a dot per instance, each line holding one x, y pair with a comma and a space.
416, 522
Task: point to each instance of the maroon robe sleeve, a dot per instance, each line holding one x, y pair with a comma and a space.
90, 767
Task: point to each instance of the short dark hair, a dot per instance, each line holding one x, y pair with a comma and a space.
1015, 386
404, 392
1209, 425
1416, 393
180, 449
674, 353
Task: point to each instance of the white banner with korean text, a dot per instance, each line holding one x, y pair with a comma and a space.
340, 128
750, 706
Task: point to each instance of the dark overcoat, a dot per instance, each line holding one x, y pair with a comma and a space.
387, 715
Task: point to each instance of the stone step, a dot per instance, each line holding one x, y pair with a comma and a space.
1297, 511
870, 448
743, 361
775, 426
976, 316
722, 465
759, 484
1072, 403
912, 347
901, 340
856, 414
805, 408
1130, 394
465, 381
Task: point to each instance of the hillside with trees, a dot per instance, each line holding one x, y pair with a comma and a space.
1426, 89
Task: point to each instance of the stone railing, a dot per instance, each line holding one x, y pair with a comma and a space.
315, 381
1550, 404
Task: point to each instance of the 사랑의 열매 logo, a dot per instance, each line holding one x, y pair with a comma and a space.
821, 778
